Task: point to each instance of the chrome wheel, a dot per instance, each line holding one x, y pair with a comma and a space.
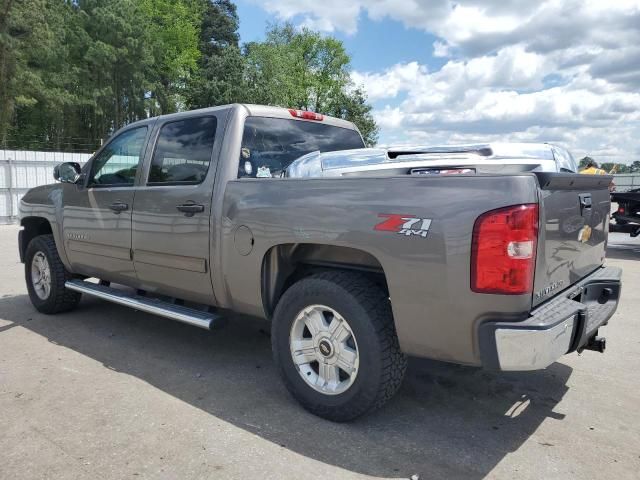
324, 349
41, 275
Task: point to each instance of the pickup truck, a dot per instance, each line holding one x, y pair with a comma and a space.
435, 160
189, 216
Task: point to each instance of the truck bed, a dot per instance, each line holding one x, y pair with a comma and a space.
428, 276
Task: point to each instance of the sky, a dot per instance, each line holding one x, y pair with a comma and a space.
451, 72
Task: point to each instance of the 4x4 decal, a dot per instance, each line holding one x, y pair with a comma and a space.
404, 224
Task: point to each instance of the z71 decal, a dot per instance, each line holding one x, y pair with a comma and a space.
404, 224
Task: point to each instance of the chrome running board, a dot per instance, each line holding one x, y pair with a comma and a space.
145, 304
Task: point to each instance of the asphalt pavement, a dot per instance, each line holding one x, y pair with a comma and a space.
105, 392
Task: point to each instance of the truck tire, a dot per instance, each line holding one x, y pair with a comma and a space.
45, 275
335, 345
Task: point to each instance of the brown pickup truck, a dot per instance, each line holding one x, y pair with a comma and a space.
190, 216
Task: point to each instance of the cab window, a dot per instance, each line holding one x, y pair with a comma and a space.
116, 165
183, 152
270, 145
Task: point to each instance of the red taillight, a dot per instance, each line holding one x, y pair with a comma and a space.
306, 115
503, 252
621, 210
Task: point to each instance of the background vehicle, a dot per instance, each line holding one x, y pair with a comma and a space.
627, 215
189, 211
429, 160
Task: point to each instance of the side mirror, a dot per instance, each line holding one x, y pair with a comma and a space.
68, 172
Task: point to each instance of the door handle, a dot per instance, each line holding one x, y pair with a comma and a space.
118, 207
190, 209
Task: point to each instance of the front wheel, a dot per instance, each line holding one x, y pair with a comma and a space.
335, 345
46, 276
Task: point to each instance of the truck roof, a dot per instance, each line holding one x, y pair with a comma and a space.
257, 111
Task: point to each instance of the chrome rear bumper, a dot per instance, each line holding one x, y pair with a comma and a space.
562, 325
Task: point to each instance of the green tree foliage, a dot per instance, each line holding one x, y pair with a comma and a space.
172, 34
219, 78
584, 161
306, 70
73, 71
32, 71
77, 71
611, 167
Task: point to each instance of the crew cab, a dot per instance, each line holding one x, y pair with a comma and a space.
191, 216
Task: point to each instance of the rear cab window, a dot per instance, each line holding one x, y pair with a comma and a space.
183, 152
270, 145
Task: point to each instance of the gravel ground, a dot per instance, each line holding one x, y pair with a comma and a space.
105, 392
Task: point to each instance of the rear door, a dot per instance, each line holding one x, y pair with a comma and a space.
172, 208
574, 225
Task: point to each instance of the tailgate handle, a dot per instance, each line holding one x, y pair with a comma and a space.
585, 201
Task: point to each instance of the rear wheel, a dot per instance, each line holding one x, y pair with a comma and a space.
335, 345
46, 276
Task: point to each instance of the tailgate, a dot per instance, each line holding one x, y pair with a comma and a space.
574, 224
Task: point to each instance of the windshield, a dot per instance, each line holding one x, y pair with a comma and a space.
269, 145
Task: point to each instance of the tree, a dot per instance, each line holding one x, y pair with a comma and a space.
219, 79
584, 162
72, 72
635, 167
306, 70
31, 68
354, 107
171, 31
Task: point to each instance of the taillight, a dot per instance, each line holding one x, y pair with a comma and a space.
621, 210
306, 115
503, 252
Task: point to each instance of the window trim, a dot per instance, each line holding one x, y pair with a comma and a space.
88, 176
155, 147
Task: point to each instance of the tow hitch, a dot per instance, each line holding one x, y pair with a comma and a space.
597, 344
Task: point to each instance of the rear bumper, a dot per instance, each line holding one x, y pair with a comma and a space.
563, 324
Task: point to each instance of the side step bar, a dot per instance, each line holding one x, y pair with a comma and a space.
145, 304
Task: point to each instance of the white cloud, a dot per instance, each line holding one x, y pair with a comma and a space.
503, 97
327, 16
389, 83
441, 49
551, 70
481, 26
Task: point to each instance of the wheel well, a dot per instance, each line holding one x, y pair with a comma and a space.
33, 227
285, 264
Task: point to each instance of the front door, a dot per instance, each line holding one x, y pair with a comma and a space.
97, 215
172, 209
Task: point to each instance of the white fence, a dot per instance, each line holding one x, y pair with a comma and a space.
22, 170
626, 181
